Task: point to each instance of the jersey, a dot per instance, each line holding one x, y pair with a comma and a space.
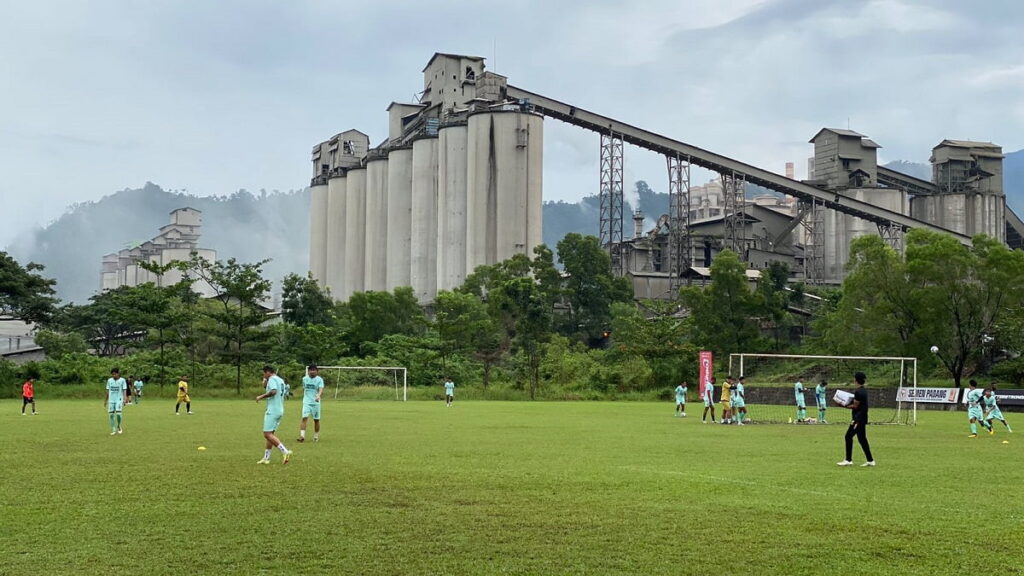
115, 390
310, 388
798, 392
183, 389
726, 392
680, 394
275, 403
449, 388
819, 395
27, 391
709, 392
974, 398
737, 394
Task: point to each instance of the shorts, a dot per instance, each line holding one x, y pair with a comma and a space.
974, 413
271, 422
801, 404
822, 405
726, 405
115, 406
680, 400
28, 399
311, 411
184, 398
995, 414
739, 404
708, 403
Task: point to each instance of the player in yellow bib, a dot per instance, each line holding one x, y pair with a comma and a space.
183, 396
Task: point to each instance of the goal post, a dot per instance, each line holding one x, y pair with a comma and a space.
770, 385
398, 375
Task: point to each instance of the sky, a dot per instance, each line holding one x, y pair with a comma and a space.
212, 97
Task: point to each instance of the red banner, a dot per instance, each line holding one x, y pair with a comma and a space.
706, 370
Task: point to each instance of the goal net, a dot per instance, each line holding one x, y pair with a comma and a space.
771, 391
344, 378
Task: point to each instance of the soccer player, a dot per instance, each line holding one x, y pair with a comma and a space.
117, 389
859, 423
974, 399
681, 400
130, 381
28, 396
820, 392
992, 411
801, 405
138, 389
739, 401
727, 400
709, 401
274, 393
183, 396
312, 389
449, 392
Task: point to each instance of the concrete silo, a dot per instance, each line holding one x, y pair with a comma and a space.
376, 233
318, 217
504, 182
399, 209
451, 206
335, 256
355, 231
423, 263
841, 229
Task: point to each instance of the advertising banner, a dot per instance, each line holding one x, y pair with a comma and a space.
930, 395
706, 369
1010, 397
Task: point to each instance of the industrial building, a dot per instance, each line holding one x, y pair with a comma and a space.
177, 241
458, 183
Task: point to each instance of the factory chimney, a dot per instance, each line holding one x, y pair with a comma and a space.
638, 224
790, 171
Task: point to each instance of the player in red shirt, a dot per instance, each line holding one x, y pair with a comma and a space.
28, 396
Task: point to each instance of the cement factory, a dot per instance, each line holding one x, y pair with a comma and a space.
458, 183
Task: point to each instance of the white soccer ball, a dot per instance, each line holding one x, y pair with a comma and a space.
935, 349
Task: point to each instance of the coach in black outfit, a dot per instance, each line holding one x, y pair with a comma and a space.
859, 423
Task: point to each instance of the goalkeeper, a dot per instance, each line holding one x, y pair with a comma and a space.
820, 392
992, 411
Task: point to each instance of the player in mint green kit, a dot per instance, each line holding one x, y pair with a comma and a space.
681, 400
116, 391
449, 392
312, 389
992, 411
974, 399
274, 394
739, 401
709, 401
820, 393
801, 405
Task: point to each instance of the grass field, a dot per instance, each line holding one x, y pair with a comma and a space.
498, 488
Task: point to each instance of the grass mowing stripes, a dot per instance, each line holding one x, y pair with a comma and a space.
497, 488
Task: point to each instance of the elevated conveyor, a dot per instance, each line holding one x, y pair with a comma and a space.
721, 164
908, 184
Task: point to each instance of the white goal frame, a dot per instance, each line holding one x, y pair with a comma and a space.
396, 369
905, 362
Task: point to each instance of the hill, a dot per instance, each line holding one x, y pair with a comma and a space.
243, 225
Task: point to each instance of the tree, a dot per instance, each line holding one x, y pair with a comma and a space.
527, 312
590, 287
655, 332
241, 289
721, 313
368, 317
24, 294
108, 322
462, 323
304, 302
773, 300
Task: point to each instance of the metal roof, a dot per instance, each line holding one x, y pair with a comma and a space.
869, 143
838, 131
450, 55
968, 144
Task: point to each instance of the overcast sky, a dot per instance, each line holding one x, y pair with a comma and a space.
215, 96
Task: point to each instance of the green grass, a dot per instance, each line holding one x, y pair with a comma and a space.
497, 488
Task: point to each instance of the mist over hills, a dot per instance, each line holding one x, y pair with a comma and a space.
252, 227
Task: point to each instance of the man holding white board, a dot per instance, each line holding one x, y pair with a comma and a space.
858, 425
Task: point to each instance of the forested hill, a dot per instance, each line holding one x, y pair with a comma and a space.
243, 225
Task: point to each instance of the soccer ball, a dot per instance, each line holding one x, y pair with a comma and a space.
935, 349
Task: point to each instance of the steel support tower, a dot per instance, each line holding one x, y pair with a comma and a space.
611, 199
680, 249
814, 246
893, 236
735, 210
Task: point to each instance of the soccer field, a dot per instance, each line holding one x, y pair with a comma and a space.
499, 488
